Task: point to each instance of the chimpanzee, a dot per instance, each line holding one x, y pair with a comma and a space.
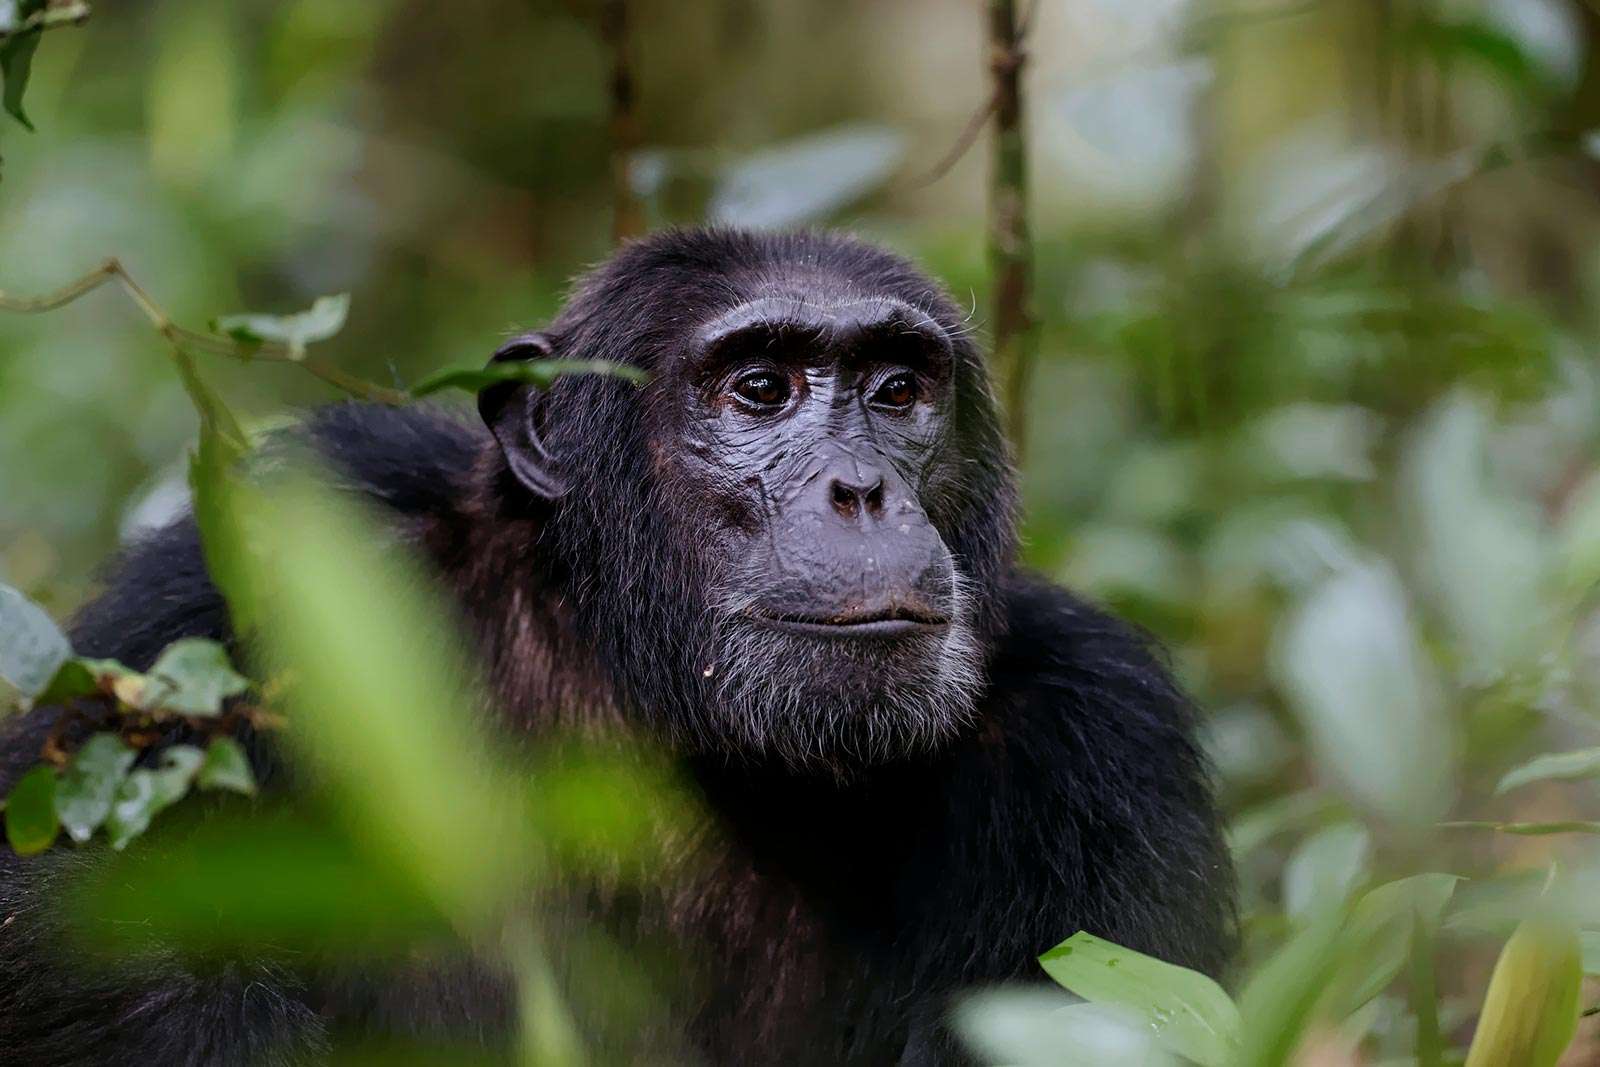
788, 557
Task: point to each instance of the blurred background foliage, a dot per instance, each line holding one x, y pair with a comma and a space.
1317, 397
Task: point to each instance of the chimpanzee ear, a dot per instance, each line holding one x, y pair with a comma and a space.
515, 414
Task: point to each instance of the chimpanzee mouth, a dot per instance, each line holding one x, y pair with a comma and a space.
884, 623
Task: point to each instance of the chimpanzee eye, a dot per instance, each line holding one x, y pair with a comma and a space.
897, 391
763, 389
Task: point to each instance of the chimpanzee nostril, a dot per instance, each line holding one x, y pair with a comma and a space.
848, 500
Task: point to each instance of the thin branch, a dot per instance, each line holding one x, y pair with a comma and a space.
184, 338
627, 213
50, 18
963, 143
1010, 244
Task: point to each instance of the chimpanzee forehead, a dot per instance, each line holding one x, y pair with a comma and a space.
832, 319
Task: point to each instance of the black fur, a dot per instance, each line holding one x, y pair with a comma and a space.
838, 909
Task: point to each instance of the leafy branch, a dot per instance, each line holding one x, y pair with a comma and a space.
247, 338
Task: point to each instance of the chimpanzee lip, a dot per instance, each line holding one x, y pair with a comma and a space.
887, 622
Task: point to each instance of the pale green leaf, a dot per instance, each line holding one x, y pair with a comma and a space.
32, 646
1562, 766
86, 788
1187, 1011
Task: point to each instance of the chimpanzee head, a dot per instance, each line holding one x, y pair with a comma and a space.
787, 543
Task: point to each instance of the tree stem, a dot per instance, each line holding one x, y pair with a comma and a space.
627, 219
1010, 246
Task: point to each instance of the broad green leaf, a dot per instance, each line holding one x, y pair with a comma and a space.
192, 676
86, 788
540, 372
31, 812
1047, 1028
1254, 828
1358, 679
1325, 868
1563, 766
227, 767
1188, 1012
144, 793
382, 703
1530, 1011
325, 318
606, 808
32, 646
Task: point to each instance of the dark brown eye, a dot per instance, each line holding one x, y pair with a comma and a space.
763, 389
898, 391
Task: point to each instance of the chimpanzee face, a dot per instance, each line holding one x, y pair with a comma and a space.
790, 532
811, 431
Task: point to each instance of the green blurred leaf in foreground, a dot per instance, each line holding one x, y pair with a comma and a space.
31, 812
323, 320
1558, 766
1531, 1009
1188, 1012
87, 787
32, 646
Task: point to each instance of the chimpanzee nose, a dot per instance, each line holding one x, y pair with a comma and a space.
852, 500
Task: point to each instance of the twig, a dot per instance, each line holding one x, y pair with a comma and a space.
1010, 246
50, 18
627, 214
964, 142
183, 338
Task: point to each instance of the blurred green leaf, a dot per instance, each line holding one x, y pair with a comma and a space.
541, 372
144, 793
32, 646
87, 786
1046, 1028
1188, 1012
1359, 681
325, 318
81, 677
1560, 766
807, 179
1530, 1011
227, 767
382, 703
192, 676
211, 477
238, 883
1380, 934
1589, 942
1278, 1001
31, 812
1325, 868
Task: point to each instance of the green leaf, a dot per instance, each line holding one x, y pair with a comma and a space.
1561, 766
1043, 1027
86, 788
1283, 992
1380, 932
31, 812
32, 646
16, 63
192, 677
1188, 1012
1325, 868
227, 767
540, 372
80, 677
144, 793
325, 318
382, 698
1530, 1011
